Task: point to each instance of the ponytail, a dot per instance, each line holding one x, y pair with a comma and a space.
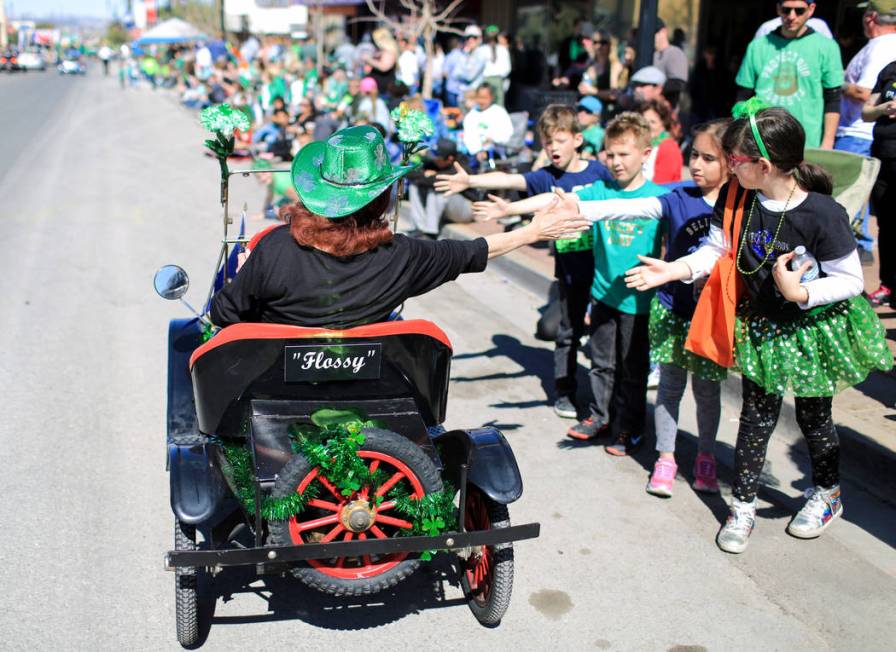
813, 178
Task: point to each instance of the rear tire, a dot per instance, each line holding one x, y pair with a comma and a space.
186, 593
487, 576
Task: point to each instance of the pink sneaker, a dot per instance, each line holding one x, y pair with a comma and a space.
662, 478
705, 474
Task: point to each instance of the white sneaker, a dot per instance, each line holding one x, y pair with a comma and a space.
822, 508
735, 534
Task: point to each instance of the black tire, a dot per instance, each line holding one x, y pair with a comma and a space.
488, 598
298, 468
186, 593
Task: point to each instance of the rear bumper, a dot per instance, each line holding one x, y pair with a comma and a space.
285, 554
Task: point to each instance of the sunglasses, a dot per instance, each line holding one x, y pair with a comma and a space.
785, 11
739, 159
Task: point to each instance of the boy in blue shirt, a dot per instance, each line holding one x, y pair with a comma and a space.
620, 350
562, 139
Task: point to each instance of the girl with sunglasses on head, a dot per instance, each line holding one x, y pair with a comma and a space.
804, 330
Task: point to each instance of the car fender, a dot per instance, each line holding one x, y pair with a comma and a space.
199, 492
491, 464
184, 337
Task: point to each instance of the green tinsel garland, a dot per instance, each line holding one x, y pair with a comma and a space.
332, 442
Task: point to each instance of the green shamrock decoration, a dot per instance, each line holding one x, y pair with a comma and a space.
223, 119
413, 126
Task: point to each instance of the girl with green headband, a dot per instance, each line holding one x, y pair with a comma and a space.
811, 336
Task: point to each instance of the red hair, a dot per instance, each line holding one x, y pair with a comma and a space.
353, 234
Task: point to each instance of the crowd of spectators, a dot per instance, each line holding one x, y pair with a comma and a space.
488, 88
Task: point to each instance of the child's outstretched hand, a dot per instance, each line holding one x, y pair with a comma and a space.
788, 281
451, 184
653, 273
483, 211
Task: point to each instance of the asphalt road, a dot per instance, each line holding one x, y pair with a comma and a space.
99, 188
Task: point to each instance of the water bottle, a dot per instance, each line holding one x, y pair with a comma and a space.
801, 257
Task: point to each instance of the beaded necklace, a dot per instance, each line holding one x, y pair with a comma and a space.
746, 232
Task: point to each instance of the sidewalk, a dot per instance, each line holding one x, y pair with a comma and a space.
865, 414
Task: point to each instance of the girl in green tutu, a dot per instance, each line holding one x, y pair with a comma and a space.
805, 330
687, 212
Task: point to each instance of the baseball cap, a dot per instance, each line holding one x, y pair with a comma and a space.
590, 104
650, 75
660, 23
473, 30
492, 29
883, 7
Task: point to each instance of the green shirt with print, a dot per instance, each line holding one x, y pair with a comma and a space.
617, 244
793, 73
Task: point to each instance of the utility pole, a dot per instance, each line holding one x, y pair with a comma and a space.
646, 33
221, 19
2, 24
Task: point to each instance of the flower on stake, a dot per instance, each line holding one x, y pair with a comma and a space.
413, 126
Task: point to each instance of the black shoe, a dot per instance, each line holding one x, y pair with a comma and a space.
625, 444
586, 430
565, 408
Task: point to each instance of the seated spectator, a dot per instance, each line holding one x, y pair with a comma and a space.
665, 161
429, 209
373, 105
589, 111
487, 124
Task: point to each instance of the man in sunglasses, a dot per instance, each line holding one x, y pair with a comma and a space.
796, 68
672, 60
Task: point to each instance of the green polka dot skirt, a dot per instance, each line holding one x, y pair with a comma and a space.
819, 354
668, 333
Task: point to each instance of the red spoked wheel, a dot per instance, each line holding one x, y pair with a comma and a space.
334, 517
487, 573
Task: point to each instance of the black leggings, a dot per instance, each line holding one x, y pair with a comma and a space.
758, 418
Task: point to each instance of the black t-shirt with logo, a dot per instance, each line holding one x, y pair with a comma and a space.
819, 224
885, 128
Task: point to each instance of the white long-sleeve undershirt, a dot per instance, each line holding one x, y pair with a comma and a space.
843, 280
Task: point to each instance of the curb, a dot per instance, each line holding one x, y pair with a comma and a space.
865, 461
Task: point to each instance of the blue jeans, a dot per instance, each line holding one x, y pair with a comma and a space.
863, 147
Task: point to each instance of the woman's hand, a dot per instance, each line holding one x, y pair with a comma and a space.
558, 221
653, 273
484, 211
788, 281
451, 184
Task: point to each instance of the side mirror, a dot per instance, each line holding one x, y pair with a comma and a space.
171, 282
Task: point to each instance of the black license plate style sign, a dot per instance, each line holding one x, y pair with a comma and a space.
312, 364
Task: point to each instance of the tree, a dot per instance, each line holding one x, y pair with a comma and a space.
425, 18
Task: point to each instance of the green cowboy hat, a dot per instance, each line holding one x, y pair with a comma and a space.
344, 173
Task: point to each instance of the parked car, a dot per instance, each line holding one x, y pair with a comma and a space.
30, 60
9, 60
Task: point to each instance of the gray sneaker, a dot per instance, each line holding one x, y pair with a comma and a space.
822, 508
564, 407
735, 534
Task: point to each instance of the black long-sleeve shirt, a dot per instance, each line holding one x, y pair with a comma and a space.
285, 283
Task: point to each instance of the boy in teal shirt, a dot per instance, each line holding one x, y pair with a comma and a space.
620, 351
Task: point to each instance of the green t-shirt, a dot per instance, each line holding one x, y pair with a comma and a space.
617, 244
594, 138
793, 73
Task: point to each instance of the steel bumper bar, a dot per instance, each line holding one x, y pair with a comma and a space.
284, 554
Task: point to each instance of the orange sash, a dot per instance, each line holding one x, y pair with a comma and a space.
712, 328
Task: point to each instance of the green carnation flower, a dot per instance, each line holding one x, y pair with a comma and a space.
413, 125
224, 119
